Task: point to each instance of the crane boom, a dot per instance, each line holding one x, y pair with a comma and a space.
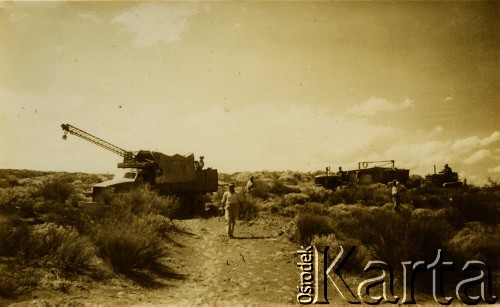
95, 140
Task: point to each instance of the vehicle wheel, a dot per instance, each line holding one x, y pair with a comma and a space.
199, 205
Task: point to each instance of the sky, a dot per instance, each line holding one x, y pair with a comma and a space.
253, 86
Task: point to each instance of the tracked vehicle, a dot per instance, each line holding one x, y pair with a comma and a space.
444, 179
368, 172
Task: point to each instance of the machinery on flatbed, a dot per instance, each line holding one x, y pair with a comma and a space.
177, 175
381, 172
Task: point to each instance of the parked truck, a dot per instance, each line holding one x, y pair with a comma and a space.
178, 175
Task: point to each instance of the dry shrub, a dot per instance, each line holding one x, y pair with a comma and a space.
357, 260
161, 224
50, 244
278, 187
311, 208
390, 236
372, 195
13, 235
296, 198
56, 190
249, 208
19, 200
289, 178
145, 201
477, 241
262, 189
475, 206
128, 244
317, 193
309, 225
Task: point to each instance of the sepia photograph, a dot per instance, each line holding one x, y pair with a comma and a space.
244, 153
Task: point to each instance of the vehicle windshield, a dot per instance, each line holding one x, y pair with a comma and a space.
129, 175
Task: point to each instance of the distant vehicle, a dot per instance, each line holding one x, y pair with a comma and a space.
444, 179
177, 174
381, 172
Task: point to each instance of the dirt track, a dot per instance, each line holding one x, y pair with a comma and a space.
206, 268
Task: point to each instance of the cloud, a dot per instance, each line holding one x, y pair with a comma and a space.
153, 23
494, 169
8, 5
467, 144
471, 157
254, 137
251, 137
473, 142
90, 17
438, 130
377, 105
277, 137
494, 137
477, 156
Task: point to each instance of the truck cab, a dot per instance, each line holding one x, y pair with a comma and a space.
131, 179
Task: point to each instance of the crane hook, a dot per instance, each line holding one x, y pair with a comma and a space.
64, 137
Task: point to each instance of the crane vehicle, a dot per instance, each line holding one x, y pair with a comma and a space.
176, 174
381, 172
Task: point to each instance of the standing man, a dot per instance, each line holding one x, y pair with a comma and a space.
250, 185
396, 200
231, 205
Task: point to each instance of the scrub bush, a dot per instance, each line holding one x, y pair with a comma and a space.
358, 259
262, 189
475, 206
317, 193
13, 235
128, 244
56, 190
479, 242
372, 195
309, 225
54, 245
249, 209
296, 198
278, 187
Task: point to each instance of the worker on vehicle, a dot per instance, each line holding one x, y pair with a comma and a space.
198, 165
446, 170
341, 173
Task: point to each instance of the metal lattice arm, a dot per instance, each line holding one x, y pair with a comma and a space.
95, 140
365, 164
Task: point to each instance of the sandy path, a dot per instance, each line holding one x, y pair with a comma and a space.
258, 267
255, 267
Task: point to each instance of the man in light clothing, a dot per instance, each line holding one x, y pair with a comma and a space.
250, 185
396, 200
230, 204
